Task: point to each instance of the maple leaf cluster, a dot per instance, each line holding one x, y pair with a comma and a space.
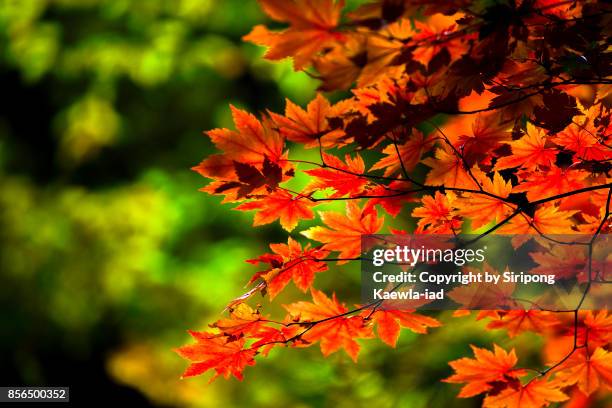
488, 117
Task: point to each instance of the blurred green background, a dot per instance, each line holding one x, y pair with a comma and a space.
108, 252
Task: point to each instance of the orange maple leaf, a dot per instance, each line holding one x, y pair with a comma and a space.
290, 261
594, 329
598, 328
536, 394
383, 49
345, 231
312, 27
243, 321
528, 152
447, 169
586, 370
435, 25
485, 370
341, 177
518, 321
547, 219
409, 152
310, 126
390, 322
336, 68
280, 205
334, 333
251, 143
437, 215
227, 357
481, 208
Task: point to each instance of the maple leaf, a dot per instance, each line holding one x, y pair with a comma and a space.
586, 370
243, 321
488, 132
390, 323
251, 143
383, 50
484, 371
547, 219
311, 126
598, 328
553, 182
391, 197
436, 25
409, 152
250, 178
585, 142
519, 321
467, 76
312, 27
578, 400
481, 208
536, 394
594, 329
335, 333
528, 152
227, 357
228, 188
382, 93
437, 215
269, 337
345, 231
448, 169
600, 197
290, 261
279, 205
344, 178
336, 68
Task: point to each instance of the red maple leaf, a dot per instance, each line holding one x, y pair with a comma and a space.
586, 141
556, 181
290, 261
223, 354
528, 152
345, 179
392, 197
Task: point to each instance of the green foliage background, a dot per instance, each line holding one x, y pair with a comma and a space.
108, 252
